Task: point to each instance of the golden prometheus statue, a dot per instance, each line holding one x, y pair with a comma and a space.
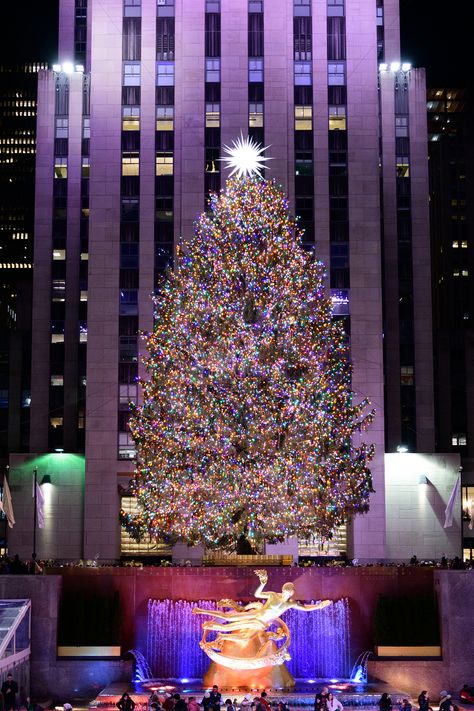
245, 642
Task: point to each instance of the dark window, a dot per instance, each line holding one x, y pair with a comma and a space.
302, 35
337, 96
213, 35
128, 372
401, 98
130, 140
336, 38
130, 95
303, 95
129, 279
131, 38
62, 96
129, 255
165, 95
165, 39
256, 95
255, 35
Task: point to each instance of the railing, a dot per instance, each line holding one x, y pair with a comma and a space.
220, 559
15, 632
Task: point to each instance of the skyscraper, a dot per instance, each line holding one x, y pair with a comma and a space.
131, 123
451, 152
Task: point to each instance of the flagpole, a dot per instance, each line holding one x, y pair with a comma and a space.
35, 505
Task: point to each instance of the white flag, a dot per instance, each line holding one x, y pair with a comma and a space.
449, 510
6, 505
39, 506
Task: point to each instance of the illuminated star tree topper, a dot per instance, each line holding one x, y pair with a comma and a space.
248, 425
245, 157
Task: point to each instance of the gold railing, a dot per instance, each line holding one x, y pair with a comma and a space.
219, 559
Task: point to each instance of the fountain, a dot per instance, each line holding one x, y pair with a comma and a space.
142, 670
320, 643
359, 673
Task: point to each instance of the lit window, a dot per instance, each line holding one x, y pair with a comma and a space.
213, 115
213, 70
406, 375
60, 167
255, 70
336, 74
303, 118
59, 254
85, 167
56, 422
335, 8
465, 272
401, 126
83, 296
84, 256
459, 439
164, 164
403, 167
455, 244
255, 115
131, 74
130, 164
62, 127
337, 118
131, 118
132, 8
86, 127
57, 380
164, 118
456, 272
302, 73
165, 74
59, 290
464, 244
128, 393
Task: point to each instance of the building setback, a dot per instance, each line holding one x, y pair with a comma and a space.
131, 123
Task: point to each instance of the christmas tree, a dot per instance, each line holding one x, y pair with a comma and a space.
247, 421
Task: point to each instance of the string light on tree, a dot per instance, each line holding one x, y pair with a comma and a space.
248, 423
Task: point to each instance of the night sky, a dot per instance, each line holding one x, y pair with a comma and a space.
435, 35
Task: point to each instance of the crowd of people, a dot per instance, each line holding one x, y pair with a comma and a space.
211, 701
325, 700
15, 566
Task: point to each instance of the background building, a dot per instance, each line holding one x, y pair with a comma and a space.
130, 126
451, 153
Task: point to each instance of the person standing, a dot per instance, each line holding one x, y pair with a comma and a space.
385, 702
168, 703
424, 701
9, 692
445, 702
333, 703
321, 700
216, 699
179, 703
125, 703
264, 701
